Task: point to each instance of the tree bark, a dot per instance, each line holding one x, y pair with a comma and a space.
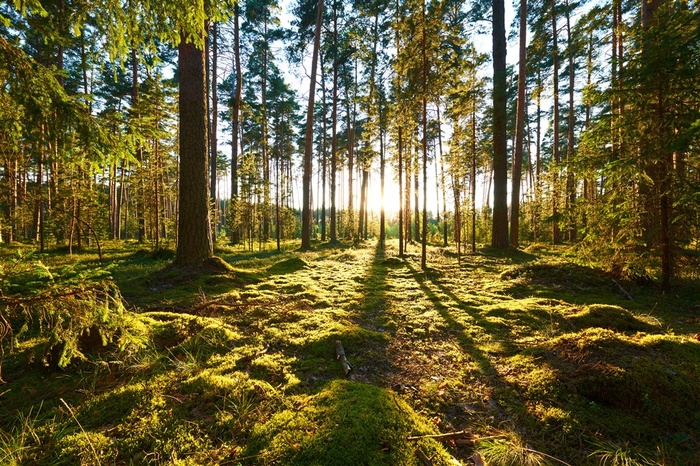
235, 112
139, 150
519, 130
334, 134
472, 178
308, 141
214, 128
424, 234
555, 127
194, 233
499, 237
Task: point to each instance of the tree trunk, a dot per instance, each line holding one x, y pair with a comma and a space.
519, 130
555, 128
363, 204
473, 178
400, 145
194, 233
265, 149
442, 180
499, 237
324, 158
382, 213
334, 133
308, 140
407, 199
139, 150
351, 162
416, 201
424, 234
570, 179
214, 128
235, 112
401, 190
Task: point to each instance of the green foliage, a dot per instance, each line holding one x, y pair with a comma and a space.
56, 315
511, 452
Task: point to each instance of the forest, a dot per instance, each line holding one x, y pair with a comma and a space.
344, 232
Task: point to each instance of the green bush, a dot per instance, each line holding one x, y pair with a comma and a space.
55, 316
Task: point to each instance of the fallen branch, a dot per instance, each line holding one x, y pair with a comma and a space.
624, 292
340, 355
206, 304
188, 310
447, 436
250, 357
47, 297
423, 458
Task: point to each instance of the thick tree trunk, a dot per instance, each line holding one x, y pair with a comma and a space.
194, 233
499, 237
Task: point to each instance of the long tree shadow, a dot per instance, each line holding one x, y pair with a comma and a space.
458, 329
370, 314
505, 402
357, 323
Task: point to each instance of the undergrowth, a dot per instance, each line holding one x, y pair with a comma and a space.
540, 360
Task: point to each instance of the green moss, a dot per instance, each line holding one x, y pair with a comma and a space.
346, 423
539, 350
291, 265
610, 317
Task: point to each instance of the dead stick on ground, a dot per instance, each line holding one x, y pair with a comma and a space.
624, 292
340, 355
447, 436
250, 357
424, 458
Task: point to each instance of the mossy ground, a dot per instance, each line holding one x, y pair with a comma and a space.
537, 356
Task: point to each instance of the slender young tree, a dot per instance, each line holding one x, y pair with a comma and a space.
424, 79
519, 129
213, 143
308, 140
556, 158
235, 123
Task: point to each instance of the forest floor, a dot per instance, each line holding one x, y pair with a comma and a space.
528, 356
